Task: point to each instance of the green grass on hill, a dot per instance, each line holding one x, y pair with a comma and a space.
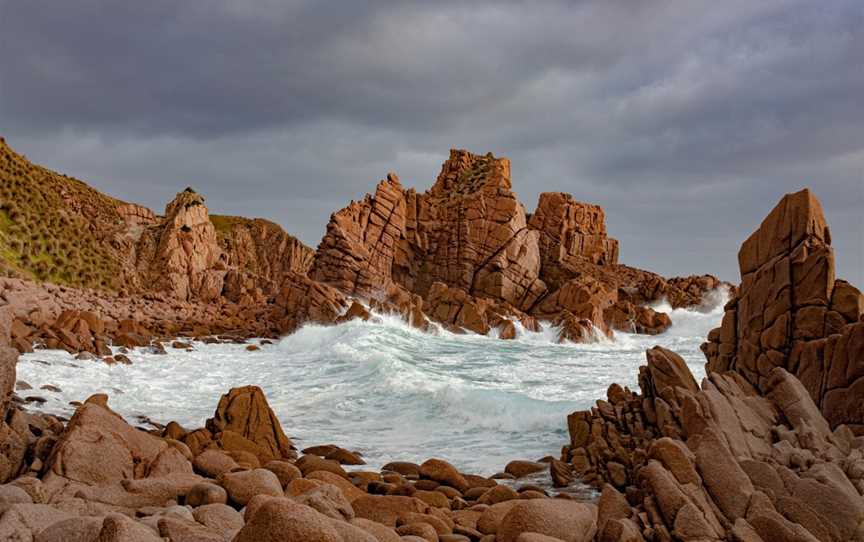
54, 228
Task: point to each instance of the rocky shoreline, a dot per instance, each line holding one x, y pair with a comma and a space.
464, 255
770, 446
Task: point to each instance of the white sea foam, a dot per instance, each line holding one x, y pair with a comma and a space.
384, 388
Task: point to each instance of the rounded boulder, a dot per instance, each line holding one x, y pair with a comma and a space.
242, 486
559, 518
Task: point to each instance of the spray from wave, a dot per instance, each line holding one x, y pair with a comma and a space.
384, 388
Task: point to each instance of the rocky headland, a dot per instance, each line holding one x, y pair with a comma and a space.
86, 270
770, 446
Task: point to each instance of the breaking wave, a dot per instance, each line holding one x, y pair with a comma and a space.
384, 388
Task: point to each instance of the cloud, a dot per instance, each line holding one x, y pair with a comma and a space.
686, 120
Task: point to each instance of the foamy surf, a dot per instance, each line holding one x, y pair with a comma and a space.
384, 388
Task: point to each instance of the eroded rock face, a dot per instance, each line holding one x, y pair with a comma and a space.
303, 299
571, 232
261, 256
791, 312
585, 298
136, 215
717, 462
468, 231
356, 254
466, 245
182, 256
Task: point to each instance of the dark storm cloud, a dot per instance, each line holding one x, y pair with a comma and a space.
686, 120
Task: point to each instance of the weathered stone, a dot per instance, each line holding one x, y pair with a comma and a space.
245, 412
567, 520
442, 471
282, 519
98, 447
243, 485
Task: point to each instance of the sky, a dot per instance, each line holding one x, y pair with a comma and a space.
687, 120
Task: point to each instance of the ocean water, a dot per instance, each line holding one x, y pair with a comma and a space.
382, 388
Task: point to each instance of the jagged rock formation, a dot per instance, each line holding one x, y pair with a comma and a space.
357, 252
57, 229
571, 232
468, 231
244, 415
724, 462
754, 454
157, 276
260, 256
464, 253
181, 256
303, 300
468, 248
791, 312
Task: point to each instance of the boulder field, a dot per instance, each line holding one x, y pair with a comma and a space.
464, 255
97, 478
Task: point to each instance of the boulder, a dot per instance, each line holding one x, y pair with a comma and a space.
206, 493
76, 529
282, 519
381, 532
219, 518
185, 530
118, 528
244, 412
98, 447
521, 468
243, 485
567, 520
213, 463
666, 372
328, 500
285, 471
443, 472
24, 521
386, 509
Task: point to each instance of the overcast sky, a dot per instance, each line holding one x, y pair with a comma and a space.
687, 120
